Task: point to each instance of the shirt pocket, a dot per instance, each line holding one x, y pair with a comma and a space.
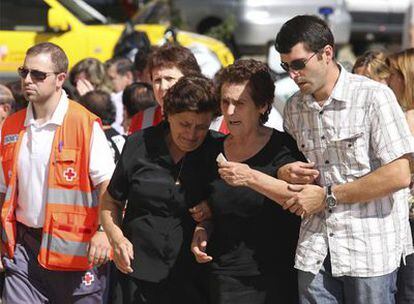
67, 167
349, 147
306, 144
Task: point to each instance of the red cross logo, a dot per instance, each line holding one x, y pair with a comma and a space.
88, 278
69, 174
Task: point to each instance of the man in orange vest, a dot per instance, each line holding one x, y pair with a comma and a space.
55, 164
166, 65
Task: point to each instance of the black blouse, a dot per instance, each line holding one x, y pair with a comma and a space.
157, 221
252, 234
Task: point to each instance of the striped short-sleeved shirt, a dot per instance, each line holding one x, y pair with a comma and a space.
358, 129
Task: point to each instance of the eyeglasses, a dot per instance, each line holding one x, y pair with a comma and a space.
35, 74
296, 65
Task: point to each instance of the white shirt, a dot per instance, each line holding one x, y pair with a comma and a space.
33, 163
359, 128
119, 108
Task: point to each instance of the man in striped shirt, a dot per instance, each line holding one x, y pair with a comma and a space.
355, 230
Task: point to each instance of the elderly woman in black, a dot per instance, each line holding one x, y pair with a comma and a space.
158, 175
252, 243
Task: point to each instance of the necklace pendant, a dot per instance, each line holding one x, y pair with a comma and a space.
177, 182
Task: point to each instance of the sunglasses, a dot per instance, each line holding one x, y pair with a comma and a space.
296, 65
34, 74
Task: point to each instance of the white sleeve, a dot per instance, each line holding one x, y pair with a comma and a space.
101, 165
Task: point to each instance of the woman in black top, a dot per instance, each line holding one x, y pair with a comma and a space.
158, 175
252, 242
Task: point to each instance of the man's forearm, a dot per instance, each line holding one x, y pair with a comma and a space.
273, 188
379, 183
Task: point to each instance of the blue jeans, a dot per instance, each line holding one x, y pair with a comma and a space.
323, 288
405, 280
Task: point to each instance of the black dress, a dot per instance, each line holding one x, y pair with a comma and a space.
157, 222
254, 239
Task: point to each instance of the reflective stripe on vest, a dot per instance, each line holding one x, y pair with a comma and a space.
49, 242
9, 193
4, 236
72, 197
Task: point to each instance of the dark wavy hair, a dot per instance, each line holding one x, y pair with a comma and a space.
172, 55
138, 96
259, 81
100, 104
194, 93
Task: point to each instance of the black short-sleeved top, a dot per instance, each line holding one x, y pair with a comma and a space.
252, 234
156, 219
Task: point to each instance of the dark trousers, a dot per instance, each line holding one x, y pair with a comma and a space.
227, 289
27, 282
263, 289
405, 280
179, 287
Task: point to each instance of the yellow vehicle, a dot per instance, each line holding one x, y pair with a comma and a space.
80, 30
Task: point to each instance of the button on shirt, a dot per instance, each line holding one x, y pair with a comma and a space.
358, 129
33, 160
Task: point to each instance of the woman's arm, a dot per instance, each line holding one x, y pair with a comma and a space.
238, 174
111, 217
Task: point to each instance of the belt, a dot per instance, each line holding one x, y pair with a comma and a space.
34, 232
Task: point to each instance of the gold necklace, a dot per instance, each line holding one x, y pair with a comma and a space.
177, 180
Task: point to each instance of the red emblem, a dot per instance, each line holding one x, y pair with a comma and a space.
69, 174
88, 278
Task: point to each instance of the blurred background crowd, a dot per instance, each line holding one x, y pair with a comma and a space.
108, 41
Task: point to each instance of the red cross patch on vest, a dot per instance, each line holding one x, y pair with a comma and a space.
88, 278
69, 174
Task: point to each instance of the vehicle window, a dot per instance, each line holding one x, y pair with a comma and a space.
84, 12
23, 15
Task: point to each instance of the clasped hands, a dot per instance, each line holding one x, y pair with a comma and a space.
305, 198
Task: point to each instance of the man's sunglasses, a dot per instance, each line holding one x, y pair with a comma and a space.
34, 74
296, 65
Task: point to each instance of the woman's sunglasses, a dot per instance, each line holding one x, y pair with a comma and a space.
296, 65
34, 74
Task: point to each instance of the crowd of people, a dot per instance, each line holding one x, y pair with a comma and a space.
147, 182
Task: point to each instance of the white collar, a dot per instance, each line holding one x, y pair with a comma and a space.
58, 114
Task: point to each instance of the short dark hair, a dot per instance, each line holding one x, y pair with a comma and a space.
59, 58
141, 59
312, 31
138, 96
172, 55
194, 93
259, 82
100, 103
122, 65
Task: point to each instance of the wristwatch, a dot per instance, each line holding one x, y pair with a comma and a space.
100, 228
330, 199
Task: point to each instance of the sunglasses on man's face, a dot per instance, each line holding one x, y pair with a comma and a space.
34, 74
296, 65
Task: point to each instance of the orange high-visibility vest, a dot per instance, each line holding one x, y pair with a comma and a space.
71, 217
153, 116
